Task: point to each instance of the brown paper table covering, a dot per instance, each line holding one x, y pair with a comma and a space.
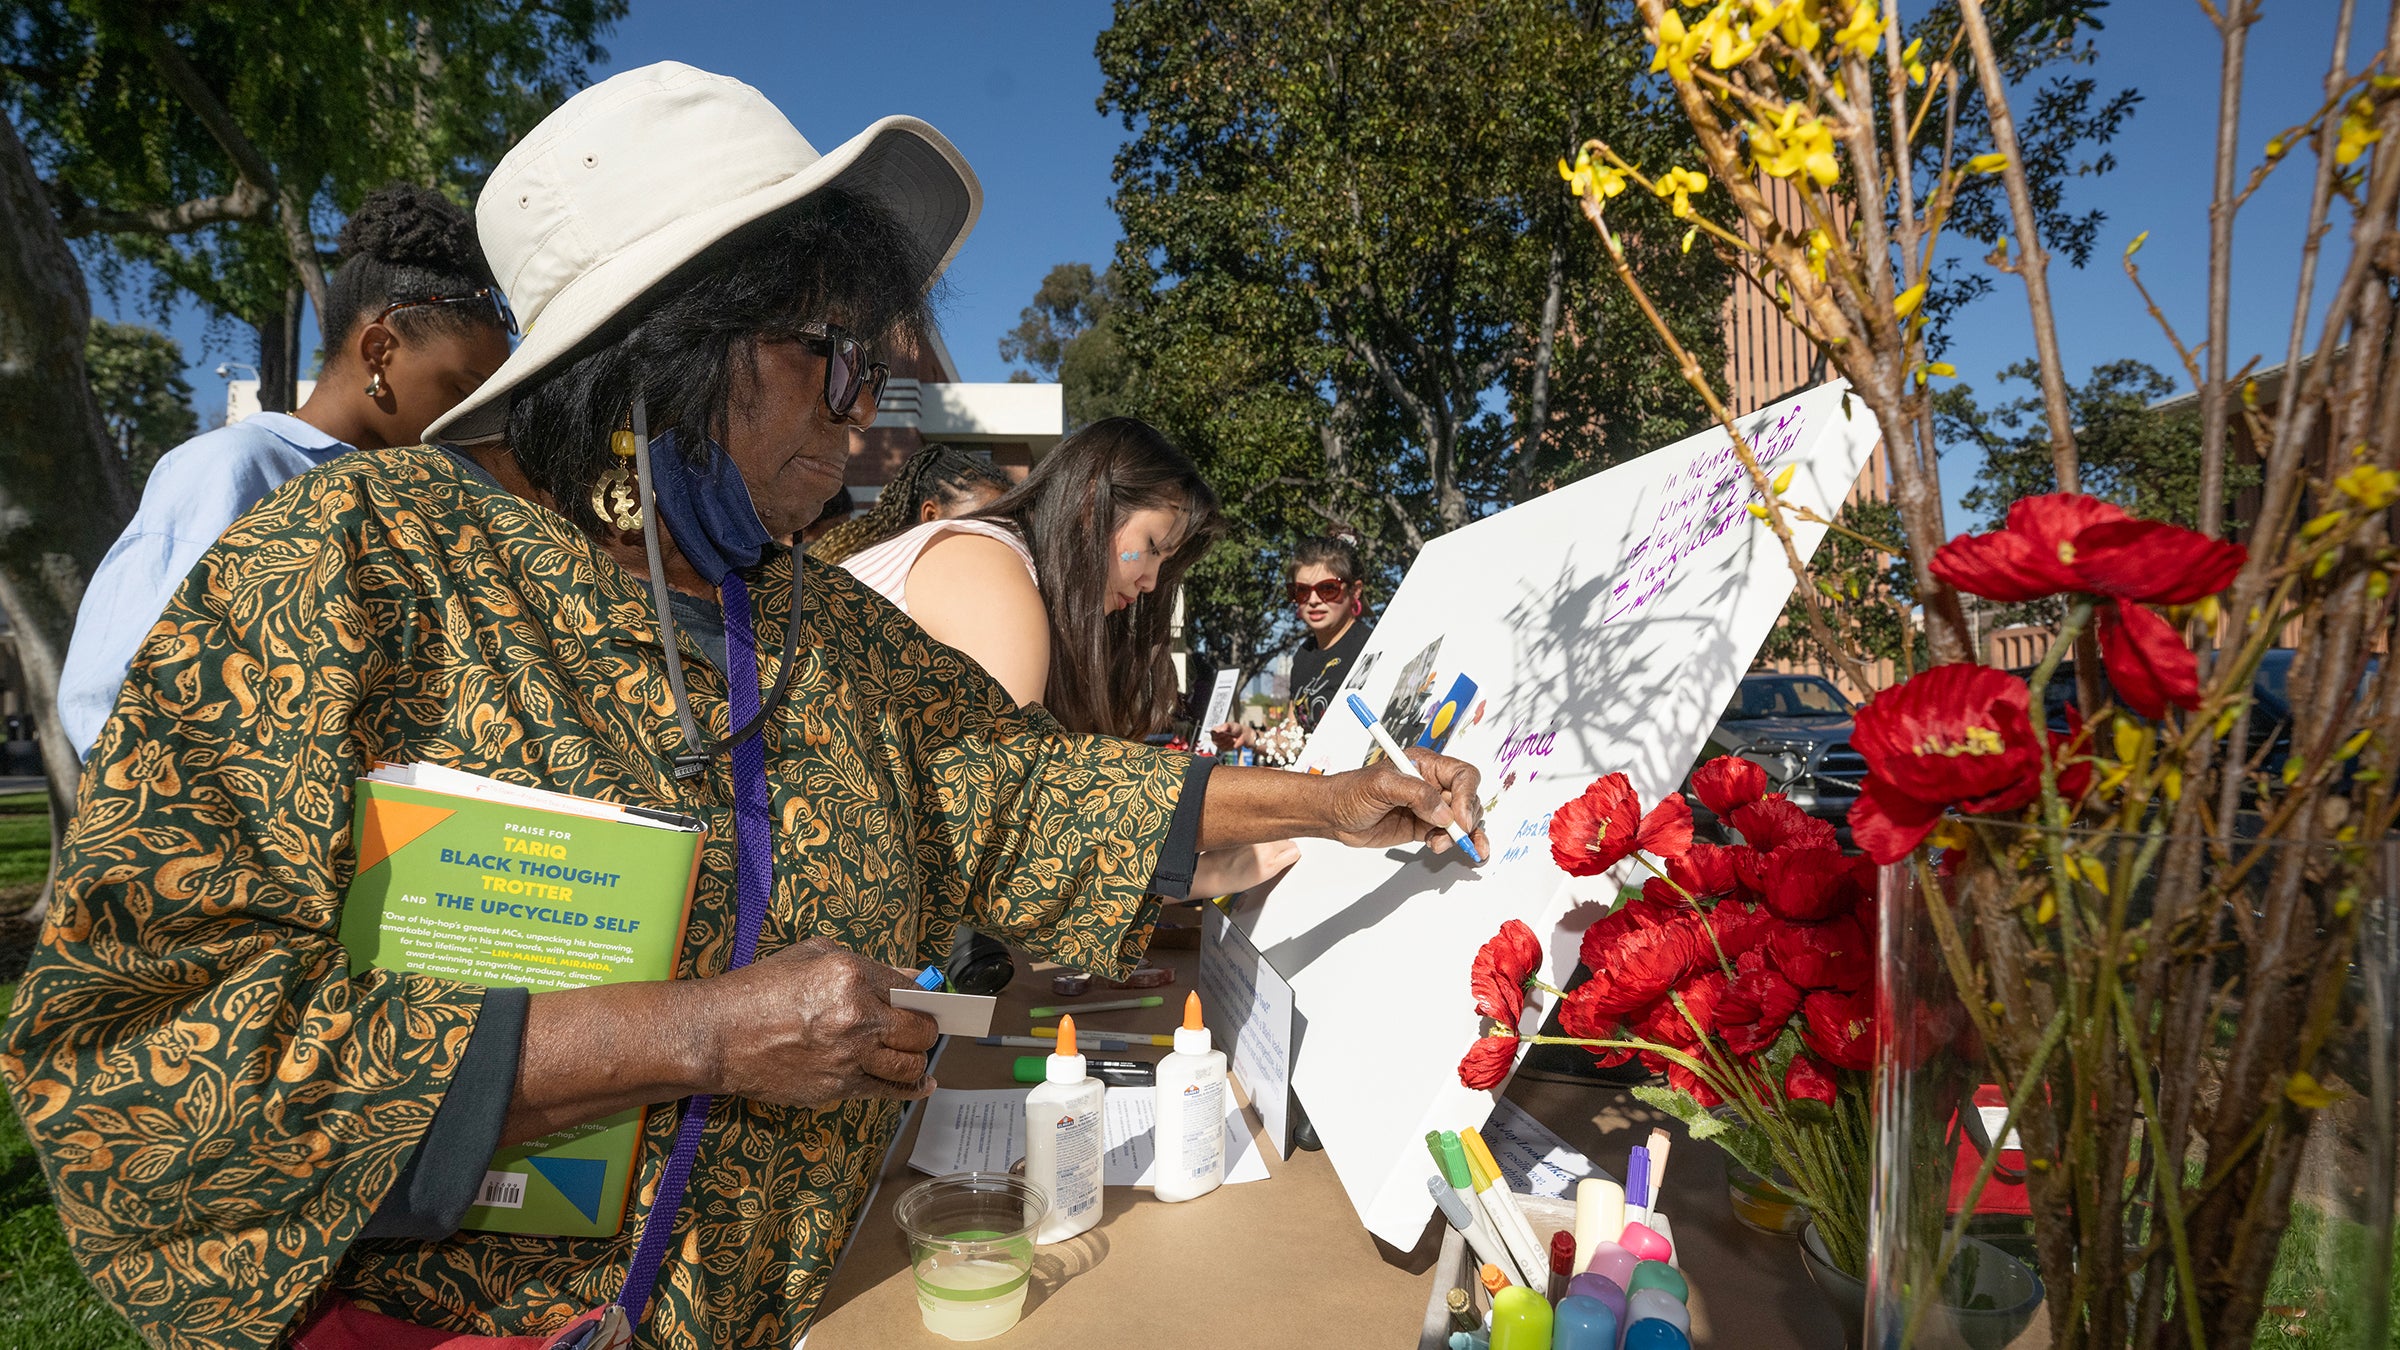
1283, 1264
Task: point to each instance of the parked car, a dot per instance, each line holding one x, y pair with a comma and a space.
2270, 740
1797, 728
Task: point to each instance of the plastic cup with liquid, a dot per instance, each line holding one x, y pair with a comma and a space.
970, 1239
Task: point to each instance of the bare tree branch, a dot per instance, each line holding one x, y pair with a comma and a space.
79, 219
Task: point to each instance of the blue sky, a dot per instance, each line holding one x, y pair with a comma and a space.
1014, 85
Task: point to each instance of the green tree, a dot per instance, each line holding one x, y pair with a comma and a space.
209, 149
2138, 449
204, 145
1068, 334
1351, 283
146, 404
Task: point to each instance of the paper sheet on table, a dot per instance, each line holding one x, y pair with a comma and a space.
1535, 1161
985, 1132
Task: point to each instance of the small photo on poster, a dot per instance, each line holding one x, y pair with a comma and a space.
1404, 713
1360, 672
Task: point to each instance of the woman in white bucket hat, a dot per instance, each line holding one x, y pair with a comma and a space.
244, 1132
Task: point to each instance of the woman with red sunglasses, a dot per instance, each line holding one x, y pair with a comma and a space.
1324, 582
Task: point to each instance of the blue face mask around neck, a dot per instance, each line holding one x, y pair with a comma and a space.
708, 511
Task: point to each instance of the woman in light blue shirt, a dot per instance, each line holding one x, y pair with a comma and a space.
422, 325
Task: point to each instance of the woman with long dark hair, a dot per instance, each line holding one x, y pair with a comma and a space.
1064, 589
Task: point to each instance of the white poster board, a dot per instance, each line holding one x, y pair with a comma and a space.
1605, 625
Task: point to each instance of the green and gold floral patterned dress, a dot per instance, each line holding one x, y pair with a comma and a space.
221, 1105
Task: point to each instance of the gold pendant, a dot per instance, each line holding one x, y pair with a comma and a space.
617, 497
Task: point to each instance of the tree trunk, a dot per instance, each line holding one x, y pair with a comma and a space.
1537, 406
279, 356
63, 498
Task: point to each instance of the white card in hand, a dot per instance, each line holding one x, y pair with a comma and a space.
955, 1014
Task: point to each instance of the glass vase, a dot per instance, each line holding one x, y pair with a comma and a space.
2157, 1074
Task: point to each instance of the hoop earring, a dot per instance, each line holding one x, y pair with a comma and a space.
375, 386
616, 494
1358, 606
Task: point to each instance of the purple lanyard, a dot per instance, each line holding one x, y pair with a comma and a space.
754, 884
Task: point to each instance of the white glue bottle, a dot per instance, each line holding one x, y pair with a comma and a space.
1191, 1113
1062, 1141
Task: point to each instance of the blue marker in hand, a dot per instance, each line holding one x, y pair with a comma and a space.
1400, 761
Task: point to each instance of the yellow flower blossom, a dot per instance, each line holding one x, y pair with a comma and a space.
1991, 163
1783, 481
1798, 26
2136, 245
1863, 33
2370, 487
1819, 245
1729, 45
1906, 302
1910, 62
1688, 236
1794, 143
2357, 132
1677, 186
1589, 177
1677, 46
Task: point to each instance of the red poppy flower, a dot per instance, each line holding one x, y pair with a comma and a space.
2152, 562
1729, 781
1957, 737
1773, 822
2146, 660
1840, 1028
1487, 1062
1500, 970
1757, 1005
2033, 556
1605, 825
1810, 885
1741, 928
1706, 871
1807, 1081
1702, 994
1838, 954
1635, 963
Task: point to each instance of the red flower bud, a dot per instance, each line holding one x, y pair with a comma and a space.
1758, 1004
1729, 781
1840, 1028
1500, 970
1837, 954
1487, 1063
1807, 1080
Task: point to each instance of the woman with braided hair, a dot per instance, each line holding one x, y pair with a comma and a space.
936, 483
414, 324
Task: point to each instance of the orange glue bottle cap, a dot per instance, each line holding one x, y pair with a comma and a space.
1192, 1037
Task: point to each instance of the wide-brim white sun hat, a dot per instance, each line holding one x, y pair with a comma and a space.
638, 175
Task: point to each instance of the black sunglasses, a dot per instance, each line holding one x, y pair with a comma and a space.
848, 372
487, 295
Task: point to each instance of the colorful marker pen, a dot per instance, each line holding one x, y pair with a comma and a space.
1400, 761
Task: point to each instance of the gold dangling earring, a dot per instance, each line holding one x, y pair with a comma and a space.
375, 386
617, 492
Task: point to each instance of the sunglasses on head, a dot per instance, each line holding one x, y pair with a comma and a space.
1327, 591
848, 372
484, 296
